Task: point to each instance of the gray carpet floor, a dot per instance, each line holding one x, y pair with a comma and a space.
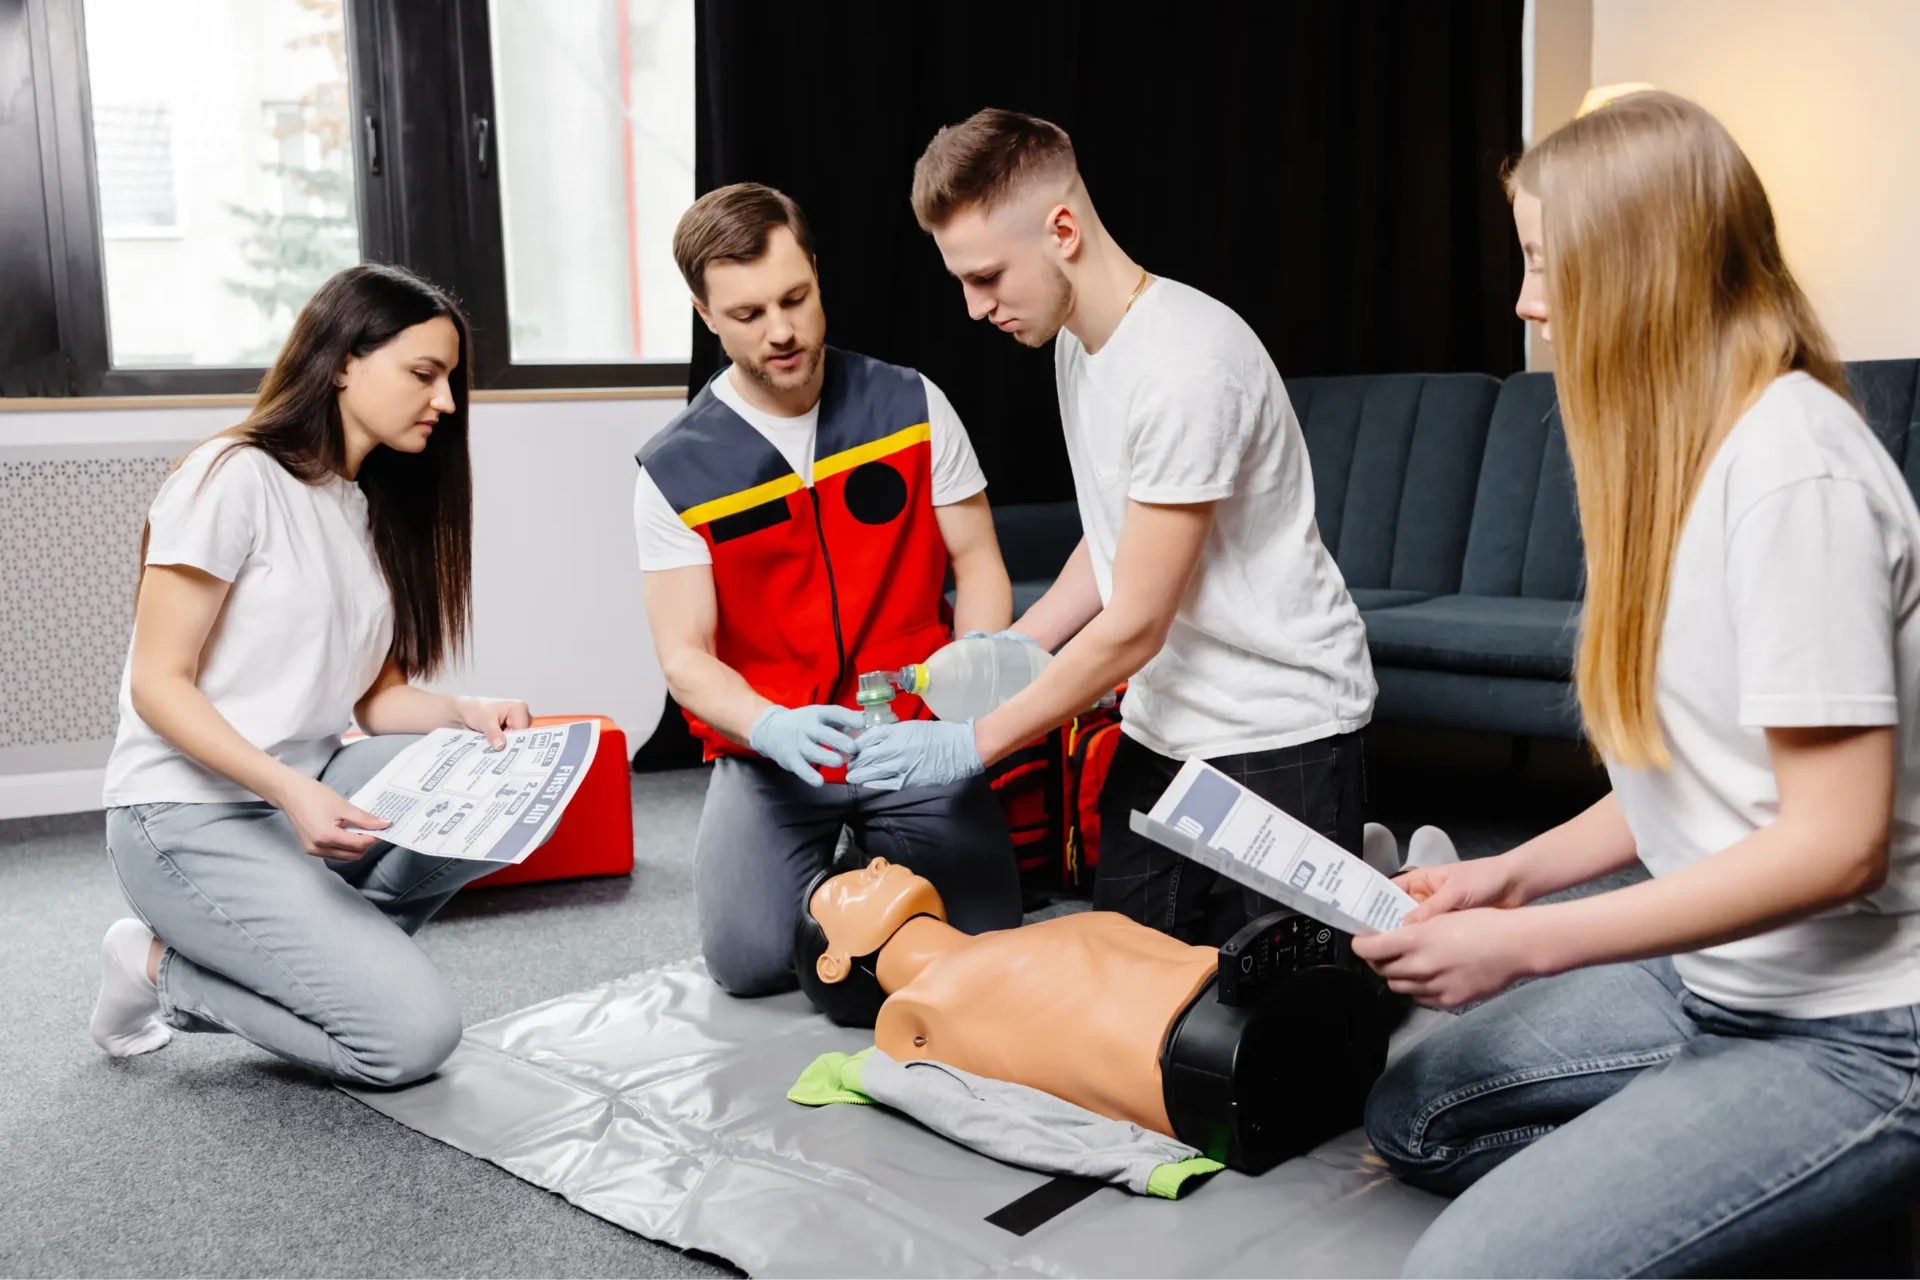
210, 1158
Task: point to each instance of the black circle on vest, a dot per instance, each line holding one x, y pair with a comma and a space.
876, 493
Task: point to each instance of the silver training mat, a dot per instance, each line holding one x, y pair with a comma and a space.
659, 1103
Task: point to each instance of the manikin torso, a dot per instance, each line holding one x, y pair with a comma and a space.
1077, 1006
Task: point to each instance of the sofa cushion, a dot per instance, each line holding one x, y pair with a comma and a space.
1490, 704
1036, 538
1478, 635
1525, 538
1385, 597
1394, 461
1888, 393
1027, 593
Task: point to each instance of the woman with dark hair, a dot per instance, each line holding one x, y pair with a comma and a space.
298, 572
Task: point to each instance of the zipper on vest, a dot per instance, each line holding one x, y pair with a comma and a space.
833, 596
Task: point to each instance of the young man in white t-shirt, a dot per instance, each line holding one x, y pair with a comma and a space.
796, 527
1201, 576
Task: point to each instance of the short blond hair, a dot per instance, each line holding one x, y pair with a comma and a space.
985, 160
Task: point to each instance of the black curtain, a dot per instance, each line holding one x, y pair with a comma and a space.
1328, 168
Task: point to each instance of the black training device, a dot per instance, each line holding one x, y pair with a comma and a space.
1279, 1051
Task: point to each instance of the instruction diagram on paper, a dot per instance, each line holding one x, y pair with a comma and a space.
1214, 820
453, 796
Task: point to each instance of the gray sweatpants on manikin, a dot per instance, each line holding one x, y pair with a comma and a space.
308, 958
1019, 1125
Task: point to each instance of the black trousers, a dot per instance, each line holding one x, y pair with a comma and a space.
1322, 783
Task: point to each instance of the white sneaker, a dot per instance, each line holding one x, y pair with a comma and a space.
1430, 847
1379, 850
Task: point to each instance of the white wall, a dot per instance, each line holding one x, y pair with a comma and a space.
558, 619
1560, 59
1825, 100
558, 613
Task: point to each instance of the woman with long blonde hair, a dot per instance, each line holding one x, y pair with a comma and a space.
1725, 1057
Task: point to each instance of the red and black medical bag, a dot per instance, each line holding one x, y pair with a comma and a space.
1050, 793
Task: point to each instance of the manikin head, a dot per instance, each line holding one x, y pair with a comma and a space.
1001, 194
746, 254
846, 919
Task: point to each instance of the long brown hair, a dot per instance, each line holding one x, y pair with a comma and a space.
419, 505
1672, 309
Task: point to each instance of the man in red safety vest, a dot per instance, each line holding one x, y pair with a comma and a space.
796, 523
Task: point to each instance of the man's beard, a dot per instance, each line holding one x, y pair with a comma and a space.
787, 379
1059, 307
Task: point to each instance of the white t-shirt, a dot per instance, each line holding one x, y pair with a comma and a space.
1183, 405
306, 628
667, 543
1795, 602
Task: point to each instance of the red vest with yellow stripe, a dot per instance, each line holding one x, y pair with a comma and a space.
815, 585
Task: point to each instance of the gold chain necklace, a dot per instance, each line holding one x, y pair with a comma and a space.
1136, 292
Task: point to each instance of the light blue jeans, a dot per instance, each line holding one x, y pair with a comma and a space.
1609, 1122
308, 958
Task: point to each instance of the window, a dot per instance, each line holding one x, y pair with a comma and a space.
200, 161
134, 145
595, 101
206, 164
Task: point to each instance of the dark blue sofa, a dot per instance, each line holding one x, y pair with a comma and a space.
1448, 503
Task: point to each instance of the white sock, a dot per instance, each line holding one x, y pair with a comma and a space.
1379, 850
126, 1018
1430, 847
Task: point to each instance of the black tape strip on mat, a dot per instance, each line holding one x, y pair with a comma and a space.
1043, 1204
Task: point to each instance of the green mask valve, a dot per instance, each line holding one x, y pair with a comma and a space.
875, 697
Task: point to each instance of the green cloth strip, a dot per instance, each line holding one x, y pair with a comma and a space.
829, 1078
1167, 1180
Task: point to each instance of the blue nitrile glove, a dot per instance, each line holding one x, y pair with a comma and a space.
1008, 634
915, 753
790, 737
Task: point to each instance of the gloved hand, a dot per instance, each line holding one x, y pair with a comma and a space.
1008, 634
791, 737
915, 753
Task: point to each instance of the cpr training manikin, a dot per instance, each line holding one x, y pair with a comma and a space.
1248, 1062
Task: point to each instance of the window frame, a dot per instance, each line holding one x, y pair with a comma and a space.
426, 191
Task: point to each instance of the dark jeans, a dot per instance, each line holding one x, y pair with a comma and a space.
1321, 783
764, 834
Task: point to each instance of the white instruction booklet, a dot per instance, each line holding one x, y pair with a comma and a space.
1220, 824
453, 796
